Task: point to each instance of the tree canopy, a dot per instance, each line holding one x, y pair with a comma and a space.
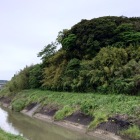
101, 54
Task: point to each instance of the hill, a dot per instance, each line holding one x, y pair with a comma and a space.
101, 54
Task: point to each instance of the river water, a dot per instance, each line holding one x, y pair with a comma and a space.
34, 129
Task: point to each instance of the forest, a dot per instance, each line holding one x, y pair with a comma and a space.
97, 55
95, 72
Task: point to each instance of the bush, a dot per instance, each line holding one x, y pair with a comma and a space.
18, 105
99, 118
64, 112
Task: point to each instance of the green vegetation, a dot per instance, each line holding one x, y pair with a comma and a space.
133, 132
64, 112
99, 63
99, 118
88, 103
100, 106
18, 104
7, 136
97, 55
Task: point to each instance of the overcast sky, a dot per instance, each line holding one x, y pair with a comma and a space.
26, 26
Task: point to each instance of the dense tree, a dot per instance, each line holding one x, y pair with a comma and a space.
101, 54
92, 35
20, 80
35, 76
48, 51
54, 70
61, 35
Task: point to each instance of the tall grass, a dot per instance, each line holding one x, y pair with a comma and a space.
133, 132
88, 103
99, 106
8, 136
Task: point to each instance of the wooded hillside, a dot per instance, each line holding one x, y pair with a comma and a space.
101, 54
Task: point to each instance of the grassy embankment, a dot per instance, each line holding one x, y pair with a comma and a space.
8, 136
99, 106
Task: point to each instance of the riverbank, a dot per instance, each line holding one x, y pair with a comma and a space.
100, 134
8, 136
94, 114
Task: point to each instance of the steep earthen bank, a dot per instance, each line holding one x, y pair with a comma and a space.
76, 122
81, 126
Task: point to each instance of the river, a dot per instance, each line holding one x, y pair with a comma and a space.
34, 129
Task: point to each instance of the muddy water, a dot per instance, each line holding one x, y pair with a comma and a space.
34, 129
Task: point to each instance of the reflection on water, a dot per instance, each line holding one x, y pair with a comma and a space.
4, 123
34, 129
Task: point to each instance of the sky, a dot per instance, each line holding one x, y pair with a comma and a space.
26, 26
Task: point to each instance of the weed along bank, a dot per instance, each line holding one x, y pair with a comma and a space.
75, 112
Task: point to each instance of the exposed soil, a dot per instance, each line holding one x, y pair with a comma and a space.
31, 106
79, 117
115, 124
49, 110
5, 100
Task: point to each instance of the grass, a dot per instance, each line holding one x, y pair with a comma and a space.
18, 105
99, 106
99, 118
133, 132
64, 112
8, 136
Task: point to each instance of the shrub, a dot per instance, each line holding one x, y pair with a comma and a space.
18, 105
64, 112
99, 118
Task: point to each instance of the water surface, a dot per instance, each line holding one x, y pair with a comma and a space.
34, 129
